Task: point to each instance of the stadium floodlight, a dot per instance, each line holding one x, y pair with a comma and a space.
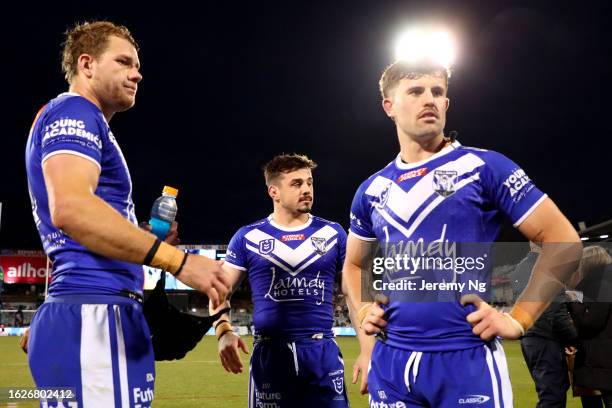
603, 237
426, 45
584, 238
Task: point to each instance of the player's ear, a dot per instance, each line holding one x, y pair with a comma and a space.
446, 104
273, 192
84, 64
387, 104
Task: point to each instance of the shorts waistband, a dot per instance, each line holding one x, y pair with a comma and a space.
94, 299
262, 338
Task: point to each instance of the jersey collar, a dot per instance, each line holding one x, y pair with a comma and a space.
289, 229
401, 165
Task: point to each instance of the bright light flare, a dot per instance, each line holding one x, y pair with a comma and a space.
417, 45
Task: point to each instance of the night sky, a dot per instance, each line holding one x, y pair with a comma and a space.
227, 86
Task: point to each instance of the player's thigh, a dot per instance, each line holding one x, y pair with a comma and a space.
272, 376
323, 375
472, 377
386, 379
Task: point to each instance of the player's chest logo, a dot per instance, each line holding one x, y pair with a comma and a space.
383, 197
266, 246
444, 182
319, 244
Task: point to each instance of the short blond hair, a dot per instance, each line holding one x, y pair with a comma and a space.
89, 38
394, 73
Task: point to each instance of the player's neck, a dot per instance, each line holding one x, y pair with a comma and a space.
86, 92
413, 151
288, 219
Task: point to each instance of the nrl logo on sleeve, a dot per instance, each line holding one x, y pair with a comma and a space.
266, 246
444, 182
319, 244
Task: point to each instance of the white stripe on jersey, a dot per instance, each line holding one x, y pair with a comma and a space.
278, 262
292, 257
96, 357
404, 204
432, 206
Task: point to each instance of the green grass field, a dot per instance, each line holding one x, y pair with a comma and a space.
199, 380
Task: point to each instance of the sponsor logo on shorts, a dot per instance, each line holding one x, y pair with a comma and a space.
268, 399
141, 396
412, 174
293, 237
150, 377
474, 399
380, 404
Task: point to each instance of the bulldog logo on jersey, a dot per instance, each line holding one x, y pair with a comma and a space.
383, 197
319, 244
266, 246
444, 182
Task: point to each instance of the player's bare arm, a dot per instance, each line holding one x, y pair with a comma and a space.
365, 324
71, 182
561, 252
228, 341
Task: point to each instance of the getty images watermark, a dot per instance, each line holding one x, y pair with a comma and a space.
444, 271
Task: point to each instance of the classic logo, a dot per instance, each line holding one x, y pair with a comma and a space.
293, 237
383, 197
474, 399
266, 246
338, 384
444, 182
412, 174
319, 244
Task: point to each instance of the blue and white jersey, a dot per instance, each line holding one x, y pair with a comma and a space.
70, 124
459, 195
291, 272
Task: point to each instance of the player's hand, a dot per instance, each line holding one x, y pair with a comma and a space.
228, 352
23, 340
374, 321
206, 275
361, 367
487, 322
172, 237
569, 350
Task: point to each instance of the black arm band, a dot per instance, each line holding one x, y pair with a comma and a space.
219, 322
182, 264
149, 258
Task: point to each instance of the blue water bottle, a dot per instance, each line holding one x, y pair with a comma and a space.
163, 212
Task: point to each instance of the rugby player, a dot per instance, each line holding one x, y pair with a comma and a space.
292, 260
90, 335
444, 353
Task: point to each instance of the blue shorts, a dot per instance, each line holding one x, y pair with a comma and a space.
474, 377
100, 346
300, 373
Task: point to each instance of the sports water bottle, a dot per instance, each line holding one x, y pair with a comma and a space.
163, 212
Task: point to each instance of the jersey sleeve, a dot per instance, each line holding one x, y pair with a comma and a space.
73, 128
510, 188
361, 223
235, 256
